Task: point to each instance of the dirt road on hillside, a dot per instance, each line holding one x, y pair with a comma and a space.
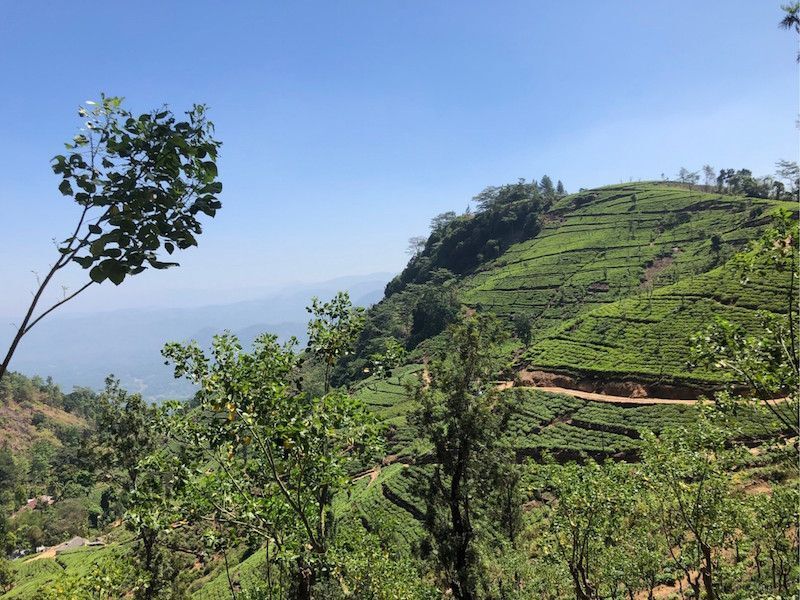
610, 399
612, 392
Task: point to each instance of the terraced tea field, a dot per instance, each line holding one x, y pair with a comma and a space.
33, 574
621, 277
600, 246
648, 337
563, 426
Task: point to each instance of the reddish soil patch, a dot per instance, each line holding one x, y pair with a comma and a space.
608, 391
598, 286
619, 392
654, 269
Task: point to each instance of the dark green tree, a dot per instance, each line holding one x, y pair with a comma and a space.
6, 575
125, 433
461, 415
131, 444
435, 309
9, 475
547, 189
282, 455
333, 330
523, 328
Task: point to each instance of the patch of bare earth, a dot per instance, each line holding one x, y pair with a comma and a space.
629, 392
654, 269
372, 474
758, 487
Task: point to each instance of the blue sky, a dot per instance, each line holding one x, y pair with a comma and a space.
348, 125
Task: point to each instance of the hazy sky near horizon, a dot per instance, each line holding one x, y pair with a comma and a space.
348, 125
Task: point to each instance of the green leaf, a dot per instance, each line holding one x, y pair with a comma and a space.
116, 277
114, 269
156, 264
97, 275
95, 229
97, 247
84, 261
65, 188
211, 167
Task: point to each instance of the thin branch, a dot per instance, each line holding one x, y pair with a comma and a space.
276, 476
55, 306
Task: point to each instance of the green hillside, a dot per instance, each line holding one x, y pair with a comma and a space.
614, 281
620, 278
647, 336
611, 283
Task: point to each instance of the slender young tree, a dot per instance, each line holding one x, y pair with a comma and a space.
140, 184
462, 415
700, 511
710, 175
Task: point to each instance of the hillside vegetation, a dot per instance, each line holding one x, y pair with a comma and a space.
33, 409
611, 283
406, 452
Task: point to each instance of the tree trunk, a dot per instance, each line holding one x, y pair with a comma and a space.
707, 572
462, 531
580, 594
305, 581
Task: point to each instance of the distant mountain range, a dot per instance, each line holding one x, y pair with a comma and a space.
81, 350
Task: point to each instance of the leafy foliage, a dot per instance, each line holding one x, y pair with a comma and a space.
462, 419
140, 183
281, 454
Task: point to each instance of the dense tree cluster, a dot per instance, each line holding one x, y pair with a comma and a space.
421, 301
58, 466
783, 185
504, 215
18, 388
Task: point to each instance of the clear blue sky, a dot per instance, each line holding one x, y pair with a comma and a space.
348, 125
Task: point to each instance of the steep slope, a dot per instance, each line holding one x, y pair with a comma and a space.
33, 410
620, 278
646, 338
615, 242
613, 281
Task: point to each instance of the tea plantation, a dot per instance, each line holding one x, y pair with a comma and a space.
620, 278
